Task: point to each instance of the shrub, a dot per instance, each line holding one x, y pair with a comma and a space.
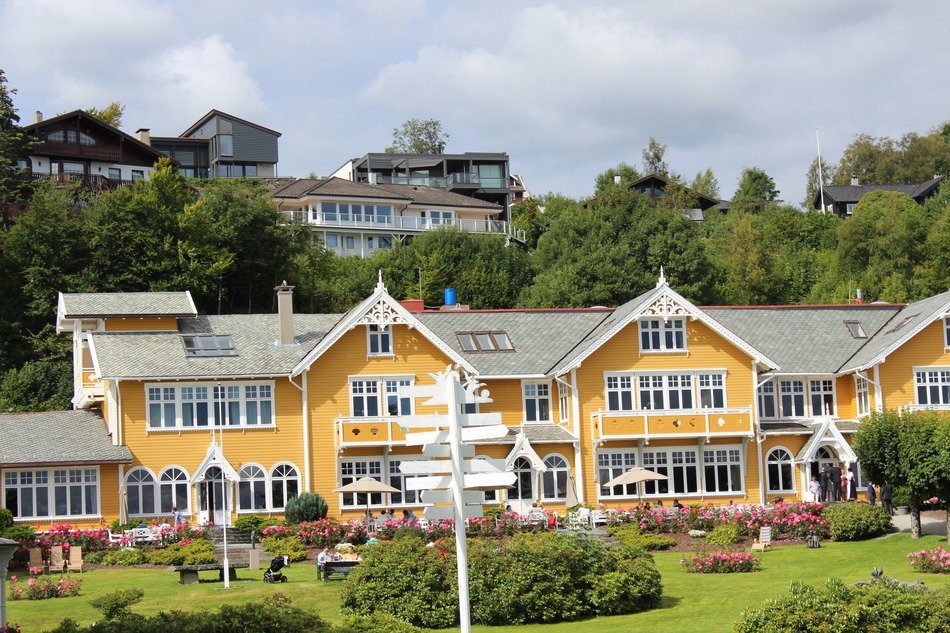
723, 535
117, 603
374, 624
25, 534
857, 521
255, 522
633, 586
6, 520
94, 558
697, 533
43, 588
494, 512
878, 606
721, 563
124, 557
630, 535
306, 507
289, 546
931, 562
195, 553
901, 496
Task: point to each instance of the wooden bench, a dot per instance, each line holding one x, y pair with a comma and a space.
339, 567
188, 574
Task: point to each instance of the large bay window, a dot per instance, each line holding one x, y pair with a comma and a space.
390, 395
723, 469
680, 391
933, 386
657, 335
196, 406
56, 493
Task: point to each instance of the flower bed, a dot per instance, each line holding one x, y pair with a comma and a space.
43, 589
721, 563
936, 561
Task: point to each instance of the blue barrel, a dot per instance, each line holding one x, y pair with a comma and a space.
450, 298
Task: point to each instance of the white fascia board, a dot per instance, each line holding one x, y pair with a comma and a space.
882, 356
92, 352
191, 302
215, 378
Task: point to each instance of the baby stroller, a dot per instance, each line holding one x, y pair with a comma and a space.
273, 572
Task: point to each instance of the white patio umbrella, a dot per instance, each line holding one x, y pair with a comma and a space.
635, 475
368, 486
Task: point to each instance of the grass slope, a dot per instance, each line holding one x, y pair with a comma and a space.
691, 602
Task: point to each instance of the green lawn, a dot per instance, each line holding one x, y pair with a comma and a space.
691, 601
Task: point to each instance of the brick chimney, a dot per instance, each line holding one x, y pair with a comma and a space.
285, 313
143, 135
413, 305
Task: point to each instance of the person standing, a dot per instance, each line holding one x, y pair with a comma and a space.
179, 516
824, 479
872, 494
887, 494
815, 489
835, 483
849, 484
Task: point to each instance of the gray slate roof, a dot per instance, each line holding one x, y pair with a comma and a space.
804, 340
903, 323
57, 437
340, 187
435, 196
854, 193
540, 337
786, 426
536, 434
128, 304
162, 354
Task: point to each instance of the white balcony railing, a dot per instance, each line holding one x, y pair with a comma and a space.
651, 424
401, 224
911, 408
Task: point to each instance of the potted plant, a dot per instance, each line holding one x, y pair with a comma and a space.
901, 500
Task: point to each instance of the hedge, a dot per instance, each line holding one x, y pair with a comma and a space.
857, 521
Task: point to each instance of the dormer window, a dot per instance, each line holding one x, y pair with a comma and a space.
657, 335
380, 340
209, 345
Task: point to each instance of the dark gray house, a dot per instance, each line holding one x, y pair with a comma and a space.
221, 145
481, 175
841, 199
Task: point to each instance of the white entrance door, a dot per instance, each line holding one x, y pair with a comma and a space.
212, 498
521, 496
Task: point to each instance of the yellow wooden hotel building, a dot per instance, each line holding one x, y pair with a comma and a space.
737, 404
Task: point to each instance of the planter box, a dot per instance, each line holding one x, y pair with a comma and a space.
901, 510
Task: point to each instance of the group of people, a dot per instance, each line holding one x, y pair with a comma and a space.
834, 484
370, 522
328, 554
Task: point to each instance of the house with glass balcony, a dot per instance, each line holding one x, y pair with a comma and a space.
358, 218
739, 404
480, 175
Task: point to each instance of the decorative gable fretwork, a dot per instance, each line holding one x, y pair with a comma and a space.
666, 307
382, 314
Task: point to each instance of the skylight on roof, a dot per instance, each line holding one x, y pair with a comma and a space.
856, 329
485, 342
209, 345
904, 322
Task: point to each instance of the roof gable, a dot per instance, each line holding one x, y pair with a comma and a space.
382, 310
213, 112
82, 114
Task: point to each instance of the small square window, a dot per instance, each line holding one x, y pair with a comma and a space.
856, 329
485, 342
467, 341
502, 341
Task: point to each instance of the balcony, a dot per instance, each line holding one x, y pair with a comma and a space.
403, 224
913, 408
95, 152
94, 182
421, 181
654, 425
350, 432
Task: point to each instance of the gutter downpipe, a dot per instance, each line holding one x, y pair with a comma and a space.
305, 418
578, 458
759, 437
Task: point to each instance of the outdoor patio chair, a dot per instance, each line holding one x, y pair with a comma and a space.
765, 539
36, 557
56, 562
75, 559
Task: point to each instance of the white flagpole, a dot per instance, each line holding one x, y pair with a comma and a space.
821, 179
224, 501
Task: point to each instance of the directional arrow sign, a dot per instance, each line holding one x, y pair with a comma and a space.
441, 450
479, 419
427, 437
439, 513
432, 421
445, 496
475, 433
489, 481
427, 467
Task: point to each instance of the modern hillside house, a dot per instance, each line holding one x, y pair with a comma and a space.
737, 404
358, 218
221, 145
77, 146
480, 175
841, 199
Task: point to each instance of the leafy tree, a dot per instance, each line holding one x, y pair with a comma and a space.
748, 279
882, 244
706, 183
756, 190
110, 114
937, 255
41, 385
528, 217
419, 136
628, 174
653, 162
812, 182
913, 158
15, 144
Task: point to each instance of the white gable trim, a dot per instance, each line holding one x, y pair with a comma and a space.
523, 448
826, 433
666, 303
213, 458
382, 310
882, 356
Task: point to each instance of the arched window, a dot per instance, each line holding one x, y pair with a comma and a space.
523, 489
779, 463
252, 488
140, 492
284, 485
174, 490
554, 479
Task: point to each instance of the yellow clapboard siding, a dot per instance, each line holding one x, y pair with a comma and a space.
926, 349
140, 324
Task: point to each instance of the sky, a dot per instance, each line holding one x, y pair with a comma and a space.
567, 88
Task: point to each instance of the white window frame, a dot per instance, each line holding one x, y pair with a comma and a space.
374, 388
488, 496
610, 464
933, 378
715, 383
283, 480
946, 333
141, 486
729, 456
13, 479
563, 404
551, 473
536, 386
792, 382
822, 392
862, 397
772, 459
226, 405
352, 468
620, 385
766, 393
379, 335
655, 335
252, 483
180, 501
397, 479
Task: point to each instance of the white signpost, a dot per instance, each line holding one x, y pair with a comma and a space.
452, 474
